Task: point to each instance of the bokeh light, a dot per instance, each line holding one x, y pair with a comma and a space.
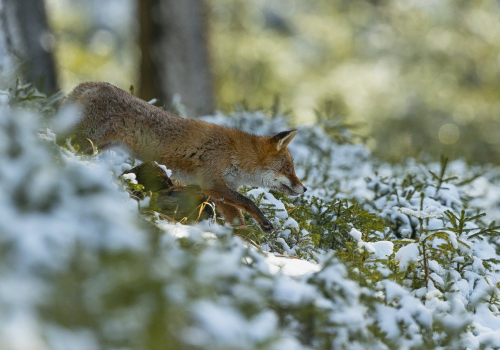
448, 134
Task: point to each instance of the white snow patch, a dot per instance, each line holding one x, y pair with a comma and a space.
289, 266
222, 326
356, 234
378, 250
167, 171
420, 214
130, 177
178, 230
407, 255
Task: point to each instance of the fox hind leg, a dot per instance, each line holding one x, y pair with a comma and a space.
231, 214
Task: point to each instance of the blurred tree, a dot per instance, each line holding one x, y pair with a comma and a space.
175, 57
26, 43
9, 57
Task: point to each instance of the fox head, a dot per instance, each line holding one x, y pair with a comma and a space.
278, 165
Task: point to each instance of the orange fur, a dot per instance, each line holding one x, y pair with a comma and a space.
218, 158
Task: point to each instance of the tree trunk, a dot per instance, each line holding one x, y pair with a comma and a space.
38, 63
175, 56
10, 57
26, 44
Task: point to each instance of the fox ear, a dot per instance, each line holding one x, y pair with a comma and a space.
283, 139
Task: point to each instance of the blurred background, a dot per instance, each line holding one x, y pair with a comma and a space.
414, 78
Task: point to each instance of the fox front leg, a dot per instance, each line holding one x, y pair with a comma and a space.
233, 198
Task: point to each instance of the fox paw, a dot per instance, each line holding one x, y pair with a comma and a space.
267, 227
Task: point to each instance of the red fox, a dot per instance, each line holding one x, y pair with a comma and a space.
217, 158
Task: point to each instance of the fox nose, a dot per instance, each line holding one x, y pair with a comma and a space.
305, 189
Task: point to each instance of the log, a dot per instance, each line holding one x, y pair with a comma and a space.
151, 176
177, 203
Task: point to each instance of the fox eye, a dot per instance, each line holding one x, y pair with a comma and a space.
287, 168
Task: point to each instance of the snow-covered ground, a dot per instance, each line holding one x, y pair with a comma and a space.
82, 269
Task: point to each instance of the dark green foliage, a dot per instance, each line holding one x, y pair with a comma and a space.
332, 221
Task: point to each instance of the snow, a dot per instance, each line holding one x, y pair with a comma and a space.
168, 172
421, 214
486, 318
178, 230
378, 250
291, 223
130, 177
283, 244
290, 267
288, 292
406, 255
269, 199
355, 234
223, 327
